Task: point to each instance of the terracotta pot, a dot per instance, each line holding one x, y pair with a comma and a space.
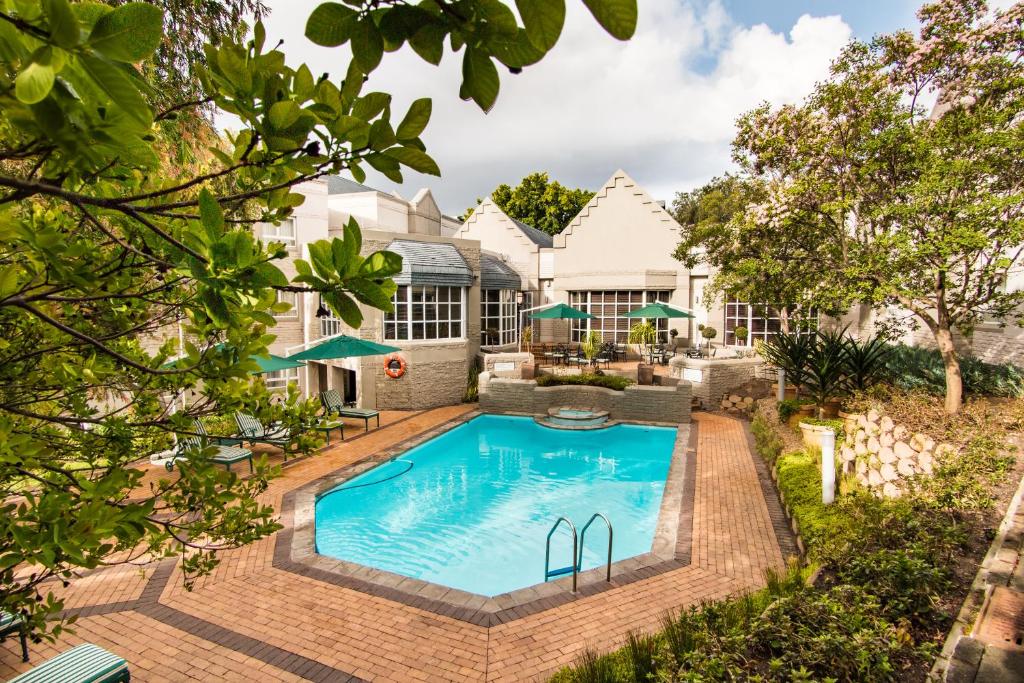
806, 410
790, 391
832, 408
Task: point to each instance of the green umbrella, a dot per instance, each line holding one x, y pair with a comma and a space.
561, 312
658, 311
343, 346
272, 363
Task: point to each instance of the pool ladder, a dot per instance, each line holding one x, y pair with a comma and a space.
577, 550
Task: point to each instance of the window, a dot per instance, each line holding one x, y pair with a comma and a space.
761, 321
330, 326
498, 313
292, 299
425, 312
283, 232
609, 309
279, 379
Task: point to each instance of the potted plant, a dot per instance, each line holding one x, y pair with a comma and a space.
740, 334
528, 339
708, 333
673, 333
826, 371
789, 351
644, 335
591, 346
811, 431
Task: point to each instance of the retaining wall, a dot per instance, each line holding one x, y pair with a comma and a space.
640, 403
712, 379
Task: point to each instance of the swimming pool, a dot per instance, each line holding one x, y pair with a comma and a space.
471, 508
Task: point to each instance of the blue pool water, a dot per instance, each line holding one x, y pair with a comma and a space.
470, 509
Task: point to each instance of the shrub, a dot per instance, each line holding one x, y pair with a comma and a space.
789, 352
836, 424
912, 367
790, 406
866, 362
825, 366
606, 381
767, 441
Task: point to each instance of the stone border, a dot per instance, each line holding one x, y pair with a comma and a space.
671, 548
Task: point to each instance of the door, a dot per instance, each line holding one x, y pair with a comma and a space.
698, 307
321, 377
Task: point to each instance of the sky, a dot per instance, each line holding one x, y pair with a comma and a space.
661, 106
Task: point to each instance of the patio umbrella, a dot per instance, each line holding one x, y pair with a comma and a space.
272, 363
561, 312
657, 311
343, 346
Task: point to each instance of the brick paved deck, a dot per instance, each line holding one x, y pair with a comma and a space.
252, 621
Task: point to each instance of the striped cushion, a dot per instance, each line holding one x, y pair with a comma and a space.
331, 400
8, 621
358, 412
85, 663
231, 454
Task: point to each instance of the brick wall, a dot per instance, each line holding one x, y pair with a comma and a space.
717, 376
643, 403
488, 361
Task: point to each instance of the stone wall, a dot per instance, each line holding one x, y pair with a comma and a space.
640, 403
430, 380
714, 379
883, 454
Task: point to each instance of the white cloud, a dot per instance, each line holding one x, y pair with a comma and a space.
662, 105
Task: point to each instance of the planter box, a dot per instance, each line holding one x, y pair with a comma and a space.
812, 434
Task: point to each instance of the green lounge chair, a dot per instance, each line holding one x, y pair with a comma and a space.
14, 623
223, 455
251, 429
333, 405
86, 663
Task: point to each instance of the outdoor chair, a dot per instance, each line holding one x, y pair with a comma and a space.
11, 624
251, 429
603, 357
223, 455
694, 352
619, 352
333, 405
577, 359
85, 662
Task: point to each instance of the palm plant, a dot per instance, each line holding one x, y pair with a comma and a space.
866, 362
826, 366
790, 351
643, 333
591, 345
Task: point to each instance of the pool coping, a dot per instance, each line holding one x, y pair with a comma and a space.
671, 548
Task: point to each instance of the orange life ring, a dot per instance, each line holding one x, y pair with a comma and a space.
394, 366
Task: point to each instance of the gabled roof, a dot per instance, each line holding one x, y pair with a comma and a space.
431, 263
621, 180
338, 185
496, 274
538, 237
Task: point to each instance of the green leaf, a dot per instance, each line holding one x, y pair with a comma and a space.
415, 159
369, 106
618, 17
64, 28
381, 264
367, 45
515, 51
283, 114
330, 24
323, 258
428, 42
8, 281
543, 20
210, 214
479, 78
415, 120
34, 83
119, 87
371, 293
129, 33
386, 165
346, 309
303, 83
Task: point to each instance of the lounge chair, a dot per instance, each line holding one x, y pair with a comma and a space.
333, 405
223, 455
86, 662
13, 623
252, 430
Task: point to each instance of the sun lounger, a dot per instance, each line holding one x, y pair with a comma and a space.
86, 663
13, 623
333, 405
223, 455
251, 429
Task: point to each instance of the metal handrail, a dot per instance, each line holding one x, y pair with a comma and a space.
583, 533
575, 551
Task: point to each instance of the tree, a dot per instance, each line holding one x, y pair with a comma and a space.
539, 202
874, 197
751, 260
109, 252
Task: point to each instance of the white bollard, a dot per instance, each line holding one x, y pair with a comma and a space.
828, 467
781, 395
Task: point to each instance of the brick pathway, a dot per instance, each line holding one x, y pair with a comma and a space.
252, 621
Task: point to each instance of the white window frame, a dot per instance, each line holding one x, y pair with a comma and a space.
271, 232
403, 301
280, 379
331, 326
584, 300
293, 313
747, 320
507, 319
